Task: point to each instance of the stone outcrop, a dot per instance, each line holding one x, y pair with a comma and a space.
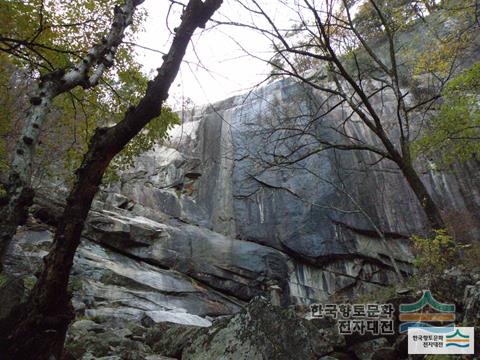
263, 331
310, 239
202, 224
111, 286
259, 331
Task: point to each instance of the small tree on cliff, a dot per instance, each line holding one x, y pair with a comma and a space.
36, 329
359, 59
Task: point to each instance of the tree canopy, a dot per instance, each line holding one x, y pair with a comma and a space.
38, 37
452, 134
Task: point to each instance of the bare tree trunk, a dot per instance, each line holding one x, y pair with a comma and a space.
349, 86
43, 320
39, 325
86, 74
429, 206
13, 213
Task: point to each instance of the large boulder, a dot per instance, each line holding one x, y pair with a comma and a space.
88, 340
368, 349
261, 331
235, 267
114, 287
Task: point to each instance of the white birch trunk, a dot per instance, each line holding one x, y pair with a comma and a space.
86, 73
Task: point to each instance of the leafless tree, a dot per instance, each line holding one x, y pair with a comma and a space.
355, 74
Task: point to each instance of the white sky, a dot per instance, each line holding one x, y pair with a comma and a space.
230, 70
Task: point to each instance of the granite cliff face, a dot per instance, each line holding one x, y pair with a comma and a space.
212, 176
203, 224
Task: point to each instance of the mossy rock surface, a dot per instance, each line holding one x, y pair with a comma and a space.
262, 331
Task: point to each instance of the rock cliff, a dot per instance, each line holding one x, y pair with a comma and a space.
203, 224
295, 228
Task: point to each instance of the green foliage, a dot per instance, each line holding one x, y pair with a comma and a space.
3, 280
52, 34
154, 133
3, 192
434, 254
46, 35
454, 133
75, 284
428, 37
380, 294
399, 14
10, 99
3, 147
450, 31
29, 282
402, 14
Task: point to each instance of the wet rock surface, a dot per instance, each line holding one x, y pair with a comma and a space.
199, 226
262, 331
212, 189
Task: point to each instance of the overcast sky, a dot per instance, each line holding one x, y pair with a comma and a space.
215, 67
